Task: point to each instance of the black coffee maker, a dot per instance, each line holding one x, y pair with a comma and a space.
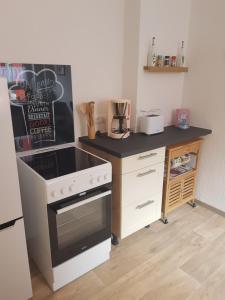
119, 112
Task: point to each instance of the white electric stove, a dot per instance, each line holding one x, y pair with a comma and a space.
66, 197
66, 192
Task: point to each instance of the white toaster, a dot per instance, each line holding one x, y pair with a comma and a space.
152, 124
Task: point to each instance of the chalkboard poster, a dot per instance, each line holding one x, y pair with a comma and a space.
41, 104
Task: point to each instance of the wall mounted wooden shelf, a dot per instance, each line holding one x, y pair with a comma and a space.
166, 69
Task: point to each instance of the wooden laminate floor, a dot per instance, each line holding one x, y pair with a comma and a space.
182, 260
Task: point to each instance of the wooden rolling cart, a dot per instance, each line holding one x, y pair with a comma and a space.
180, 176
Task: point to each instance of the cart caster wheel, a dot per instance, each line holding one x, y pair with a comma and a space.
114, 239
148, 226
165, 221
194, 205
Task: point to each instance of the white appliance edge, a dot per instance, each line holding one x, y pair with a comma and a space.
9, 185
13, 256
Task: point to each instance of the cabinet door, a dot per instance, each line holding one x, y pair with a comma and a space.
15, 282
140, 213
174, 195
188, 188
142, 160
142, 183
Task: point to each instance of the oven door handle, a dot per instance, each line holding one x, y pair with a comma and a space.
75, 205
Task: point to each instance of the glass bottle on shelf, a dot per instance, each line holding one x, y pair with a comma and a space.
152, 56
181, 61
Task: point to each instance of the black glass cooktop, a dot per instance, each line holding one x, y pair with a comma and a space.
61, 162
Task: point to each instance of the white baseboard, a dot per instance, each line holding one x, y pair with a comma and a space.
216, 210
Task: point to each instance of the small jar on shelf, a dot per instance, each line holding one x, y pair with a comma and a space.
167, 61
173, 61
159, 61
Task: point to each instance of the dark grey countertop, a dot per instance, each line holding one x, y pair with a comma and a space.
139, 142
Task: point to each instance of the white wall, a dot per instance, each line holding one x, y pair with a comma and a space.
88, 34
204, 94
168, 21
131, 53
105, 43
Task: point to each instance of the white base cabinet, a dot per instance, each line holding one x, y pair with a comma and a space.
137, 189
141, 190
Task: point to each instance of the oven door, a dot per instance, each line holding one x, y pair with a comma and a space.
79, 223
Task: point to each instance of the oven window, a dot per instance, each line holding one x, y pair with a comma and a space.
81, 222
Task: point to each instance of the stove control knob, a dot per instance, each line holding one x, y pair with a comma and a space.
98, 178
91, 181
71, 187
105, 176
53, 194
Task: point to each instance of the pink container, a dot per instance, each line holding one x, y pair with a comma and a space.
182, 118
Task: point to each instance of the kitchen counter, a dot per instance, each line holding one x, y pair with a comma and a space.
139, 142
